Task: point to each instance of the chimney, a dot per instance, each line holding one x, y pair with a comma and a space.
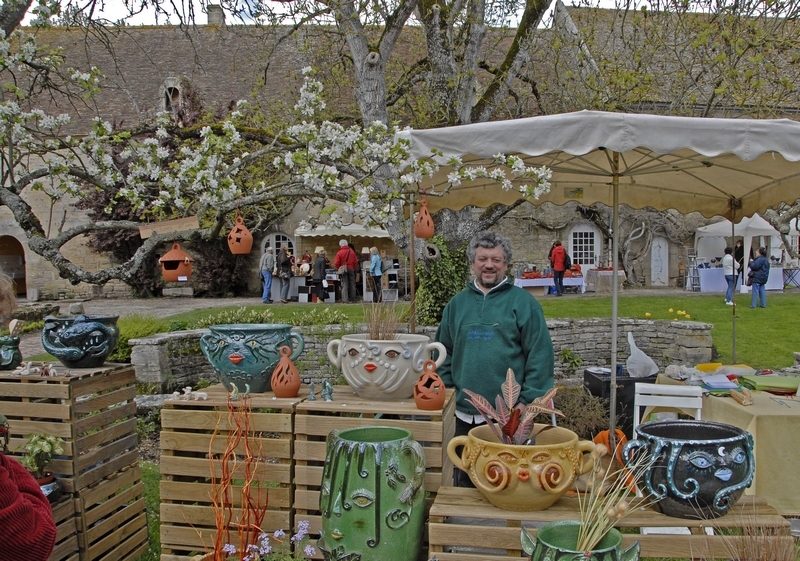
215, 14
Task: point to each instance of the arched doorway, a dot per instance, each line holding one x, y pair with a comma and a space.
12, 261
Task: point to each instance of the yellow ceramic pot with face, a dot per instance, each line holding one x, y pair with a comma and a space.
383, 369
522, 477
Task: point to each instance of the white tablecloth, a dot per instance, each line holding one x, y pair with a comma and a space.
713, 279
548, 282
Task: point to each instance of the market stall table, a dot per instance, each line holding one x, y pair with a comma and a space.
542, 285
713, 279
601, 280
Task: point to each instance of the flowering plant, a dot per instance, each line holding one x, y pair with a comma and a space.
276, 547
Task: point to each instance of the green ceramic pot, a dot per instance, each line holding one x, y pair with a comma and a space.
10, 355
557, 541
372, 498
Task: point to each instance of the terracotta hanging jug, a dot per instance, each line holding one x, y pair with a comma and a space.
285, 380
176, 264
240, 240
423, 225
429, 392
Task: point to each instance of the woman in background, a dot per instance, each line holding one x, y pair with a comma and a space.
376, 272
320, 264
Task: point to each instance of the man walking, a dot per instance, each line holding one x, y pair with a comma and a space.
267, 265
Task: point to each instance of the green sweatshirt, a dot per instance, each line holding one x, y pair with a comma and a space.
486, 334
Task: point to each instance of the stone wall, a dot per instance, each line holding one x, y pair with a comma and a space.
174, 360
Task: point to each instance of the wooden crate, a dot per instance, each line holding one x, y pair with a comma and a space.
187, 517
315, 419
66, 546
477, 531
111, 516
93, 411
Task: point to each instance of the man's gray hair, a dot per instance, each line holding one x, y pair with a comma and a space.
489, 240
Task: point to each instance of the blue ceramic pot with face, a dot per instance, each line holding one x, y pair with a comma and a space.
245, 354
83, 341
700, 468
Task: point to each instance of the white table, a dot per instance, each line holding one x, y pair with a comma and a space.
601, 281
547, 282
713, 280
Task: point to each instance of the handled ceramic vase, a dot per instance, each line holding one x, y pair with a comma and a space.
383, 369
522, 477
700, 470
83, 341
557, 541
372, 498
246, 354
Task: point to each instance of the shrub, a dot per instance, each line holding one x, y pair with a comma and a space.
134, 327
239, 315
317, 316
584, 413
439, 282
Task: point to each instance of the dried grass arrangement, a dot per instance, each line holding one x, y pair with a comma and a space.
382, 321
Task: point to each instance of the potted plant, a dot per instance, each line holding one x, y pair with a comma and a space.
515, 463
39, 452
383, 364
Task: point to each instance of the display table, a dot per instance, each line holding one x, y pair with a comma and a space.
296, 282
482, 532
600, 281
541, 286
791, 277
713, 280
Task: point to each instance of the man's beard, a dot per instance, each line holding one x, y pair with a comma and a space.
489, 285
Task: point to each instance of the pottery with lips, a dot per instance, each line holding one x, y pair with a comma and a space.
383, 369
246, 354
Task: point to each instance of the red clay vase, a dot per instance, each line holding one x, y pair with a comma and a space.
429, 391
240, 240
285, 380
423, 225
175, 264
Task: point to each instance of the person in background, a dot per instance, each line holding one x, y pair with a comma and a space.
729, 269
284, 266
320, 264
487, 328
738, 256
557, 257
759, 274
29, 532
349, 259
267, 266
376, 273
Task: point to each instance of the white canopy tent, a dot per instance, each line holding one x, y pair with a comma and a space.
329, 237
747, 228
729, 167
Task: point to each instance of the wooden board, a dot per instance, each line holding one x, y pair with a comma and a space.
315, 419
188, 524
66, 546
463, 526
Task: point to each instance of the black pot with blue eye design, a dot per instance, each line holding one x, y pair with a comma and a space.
699, 468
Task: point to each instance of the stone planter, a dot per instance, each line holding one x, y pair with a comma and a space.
522, 477
83, 341
383, 369
246, 354
701, 468
557, 541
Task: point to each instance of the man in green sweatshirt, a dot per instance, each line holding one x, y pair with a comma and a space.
487, 328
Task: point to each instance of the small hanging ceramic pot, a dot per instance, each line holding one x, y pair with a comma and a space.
176, 264
285, 380
423, 225
429, 392
240, 240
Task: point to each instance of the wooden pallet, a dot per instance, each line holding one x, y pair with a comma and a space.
93, 411
66, 546
111, 517
315, 419
462, 520
187, 516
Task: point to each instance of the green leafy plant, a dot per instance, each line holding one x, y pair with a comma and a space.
238, 315
439, 281
135, 326
39, 452
512, 422
318, 315
570, 359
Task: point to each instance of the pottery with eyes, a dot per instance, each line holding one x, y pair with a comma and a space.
701, 468
383, 369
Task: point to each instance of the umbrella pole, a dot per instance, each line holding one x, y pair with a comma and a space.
412, 312
612, 408
733, 296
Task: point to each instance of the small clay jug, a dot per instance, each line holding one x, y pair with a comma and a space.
429, 391
423, 225
240, 240
285, 380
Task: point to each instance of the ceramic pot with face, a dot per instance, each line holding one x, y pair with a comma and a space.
522, 477
83, 341
383, 370
557, 541
246, 353
10, 355
372, 497
701, 468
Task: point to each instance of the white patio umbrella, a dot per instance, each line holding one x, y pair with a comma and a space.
729, 167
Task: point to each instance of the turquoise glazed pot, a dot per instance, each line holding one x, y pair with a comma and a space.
701, 468
83, 341
10, 355
245, 354
372, 498
556, 541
